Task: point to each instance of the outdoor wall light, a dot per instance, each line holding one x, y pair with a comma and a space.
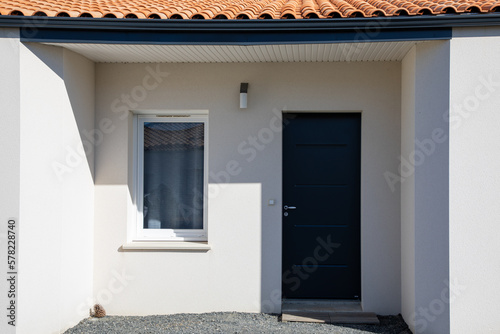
243, 95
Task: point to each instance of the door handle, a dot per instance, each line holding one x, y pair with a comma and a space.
286, 207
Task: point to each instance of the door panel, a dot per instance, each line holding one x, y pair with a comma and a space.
321, 184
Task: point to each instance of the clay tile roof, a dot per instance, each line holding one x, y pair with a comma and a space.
242, 9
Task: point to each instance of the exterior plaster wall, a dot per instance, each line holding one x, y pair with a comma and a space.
425, 217
57, 190
408, 68
242, 271
10, 153
474, 181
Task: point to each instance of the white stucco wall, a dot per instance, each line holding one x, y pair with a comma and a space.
57, 190
474, 180
424, 199
408, 68
70, 253
9, 151
242, 271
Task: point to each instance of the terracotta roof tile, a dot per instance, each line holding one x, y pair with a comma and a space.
243, 9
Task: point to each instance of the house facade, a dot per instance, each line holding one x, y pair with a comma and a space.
363, 166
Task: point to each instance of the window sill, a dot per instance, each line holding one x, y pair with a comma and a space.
166, 246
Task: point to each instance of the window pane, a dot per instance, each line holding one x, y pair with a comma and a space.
173, 175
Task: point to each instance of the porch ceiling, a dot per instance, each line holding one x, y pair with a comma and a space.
134, 53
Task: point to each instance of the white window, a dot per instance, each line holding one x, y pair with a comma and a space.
171, 185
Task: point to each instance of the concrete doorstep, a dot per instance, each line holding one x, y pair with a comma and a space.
330, 312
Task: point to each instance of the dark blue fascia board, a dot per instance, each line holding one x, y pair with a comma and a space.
242, 32
207, 37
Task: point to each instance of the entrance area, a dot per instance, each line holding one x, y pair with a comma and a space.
321, 206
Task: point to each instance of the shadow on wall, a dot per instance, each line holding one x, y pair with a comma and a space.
78, 76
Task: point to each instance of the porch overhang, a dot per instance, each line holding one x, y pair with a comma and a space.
241, 32
227, 41
269, 53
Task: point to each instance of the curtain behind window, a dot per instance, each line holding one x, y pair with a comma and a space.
173, 175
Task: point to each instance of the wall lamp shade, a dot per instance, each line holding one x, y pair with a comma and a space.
243, 95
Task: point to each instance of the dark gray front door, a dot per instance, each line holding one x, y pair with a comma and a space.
321, 212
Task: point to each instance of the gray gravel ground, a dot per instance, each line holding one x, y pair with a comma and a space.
227, 322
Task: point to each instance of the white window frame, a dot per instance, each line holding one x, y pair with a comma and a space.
140, 233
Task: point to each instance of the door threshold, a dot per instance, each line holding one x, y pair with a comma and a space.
318, 305
326, 311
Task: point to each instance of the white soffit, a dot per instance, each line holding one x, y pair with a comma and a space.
136, 53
